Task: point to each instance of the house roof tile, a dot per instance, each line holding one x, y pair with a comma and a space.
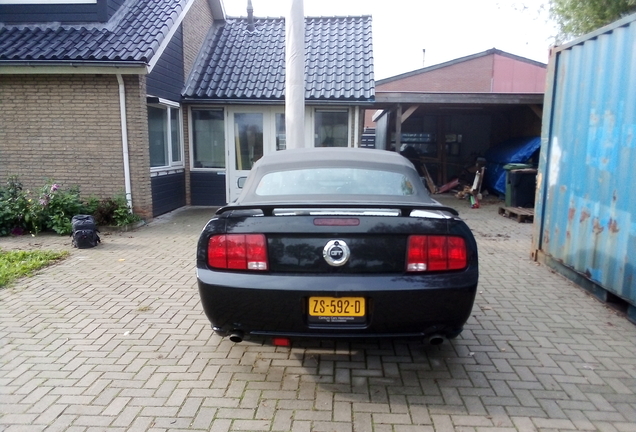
133, 34
236, 64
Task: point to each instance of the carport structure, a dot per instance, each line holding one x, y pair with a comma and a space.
453, 112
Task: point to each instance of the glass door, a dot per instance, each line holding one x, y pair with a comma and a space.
246, 147
253, 132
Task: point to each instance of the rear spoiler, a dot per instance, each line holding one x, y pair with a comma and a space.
405, 209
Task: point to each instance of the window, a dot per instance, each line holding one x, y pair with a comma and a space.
281, 141
331, 128
335, 181
248, 129
164, 135
208, 148
176, 135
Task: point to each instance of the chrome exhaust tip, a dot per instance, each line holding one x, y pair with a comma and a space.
436, 340
236, 336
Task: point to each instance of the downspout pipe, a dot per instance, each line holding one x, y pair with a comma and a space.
124, 140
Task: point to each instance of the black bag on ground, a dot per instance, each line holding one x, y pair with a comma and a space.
84, 234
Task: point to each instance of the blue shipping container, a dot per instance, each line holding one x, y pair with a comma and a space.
585, 223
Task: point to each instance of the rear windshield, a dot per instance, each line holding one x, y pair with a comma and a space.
332, 181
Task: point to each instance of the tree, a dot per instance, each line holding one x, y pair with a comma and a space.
577, 17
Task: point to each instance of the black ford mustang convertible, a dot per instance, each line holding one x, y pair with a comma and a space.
336, 243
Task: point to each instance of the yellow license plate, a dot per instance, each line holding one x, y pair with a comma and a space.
337, 306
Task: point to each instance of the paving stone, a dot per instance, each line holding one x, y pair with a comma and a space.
114, 339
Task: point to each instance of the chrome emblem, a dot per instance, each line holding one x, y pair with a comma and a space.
336, 253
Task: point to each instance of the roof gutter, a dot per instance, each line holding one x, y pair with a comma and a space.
44, 67
308, 102
50, 67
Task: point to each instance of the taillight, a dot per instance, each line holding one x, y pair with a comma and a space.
434, 253
238, 252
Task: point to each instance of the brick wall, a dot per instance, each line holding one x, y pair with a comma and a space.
196, 26
468, 76
138, 150
491, 73
68, 128
186, 150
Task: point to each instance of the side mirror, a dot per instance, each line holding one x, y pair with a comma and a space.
241, 182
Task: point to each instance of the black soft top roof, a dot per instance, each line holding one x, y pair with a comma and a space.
329, 156
380, 160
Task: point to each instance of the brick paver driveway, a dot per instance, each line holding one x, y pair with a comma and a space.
114, 339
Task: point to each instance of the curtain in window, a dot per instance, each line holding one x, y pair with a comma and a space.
158, 136
332, 129
248, 136
176, 136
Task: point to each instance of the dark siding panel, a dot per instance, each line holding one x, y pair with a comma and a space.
207, 189
84, 13
113, 6
168, 193
166, 79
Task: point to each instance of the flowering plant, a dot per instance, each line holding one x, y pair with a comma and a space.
59, 206
54, 208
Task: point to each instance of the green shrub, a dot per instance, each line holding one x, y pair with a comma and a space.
114, 211
54, 209
91, 204
122, 214
59, 206
18, 212
104, 213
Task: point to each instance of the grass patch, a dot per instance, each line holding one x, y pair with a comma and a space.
17, 264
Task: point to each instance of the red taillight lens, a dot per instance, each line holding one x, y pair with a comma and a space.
238, 252
417, 254
434, 253
437, 253
457, 256
217, 252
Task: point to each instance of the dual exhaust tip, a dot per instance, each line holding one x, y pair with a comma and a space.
237, 337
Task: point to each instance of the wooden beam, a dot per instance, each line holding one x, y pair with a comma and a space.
408, 112
411, 98
537, 110
398, 128
441, 150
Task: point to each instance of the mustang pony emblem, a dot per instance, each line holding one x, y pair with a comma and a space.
336, 253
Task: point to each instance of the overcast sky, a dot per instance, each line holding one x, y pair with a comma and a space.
447, 29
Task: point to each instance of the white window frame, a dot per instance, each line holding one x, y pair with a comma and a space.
172, 165
331, 109
222, 108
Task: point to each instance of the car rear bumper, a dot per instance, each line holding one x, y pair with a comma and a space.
399, 305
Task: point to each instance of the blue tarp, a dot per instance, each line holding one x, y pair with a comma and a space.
516, 150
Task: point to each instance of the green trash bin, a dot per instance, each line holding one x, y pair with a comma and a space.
520, 185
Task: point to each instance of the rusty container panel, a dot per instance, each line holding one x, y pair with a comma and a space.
586, 200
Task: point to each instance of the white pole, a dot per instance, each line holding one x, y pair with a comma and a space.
295, 76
